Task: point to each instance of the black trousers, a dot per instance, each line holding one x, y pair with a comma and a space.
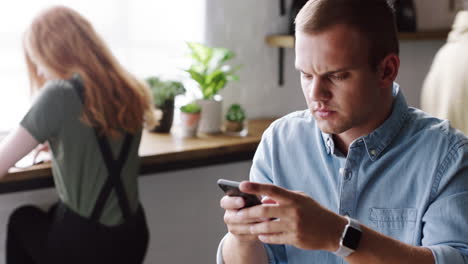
63, 236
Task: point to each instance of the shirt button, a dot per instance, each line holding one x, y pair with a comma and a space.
373, 152
342, 171
348, 175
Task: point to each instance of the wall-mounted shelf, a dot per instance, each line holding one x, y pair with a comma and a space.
424, 35
287, 41
280, 41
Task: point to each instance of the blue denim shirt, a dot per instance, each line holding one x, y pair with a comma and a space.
408, 179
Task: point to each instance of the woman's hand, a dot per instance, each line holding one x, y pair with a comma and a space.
41, 148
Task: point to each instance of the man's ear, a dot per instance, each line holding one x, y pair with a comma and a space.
388, 70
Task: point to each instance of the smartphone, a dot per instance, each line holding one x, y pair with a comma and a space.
231, 188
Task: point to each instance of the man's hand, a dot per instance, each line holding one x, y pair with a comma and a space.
241, 246
296, 219
238, 227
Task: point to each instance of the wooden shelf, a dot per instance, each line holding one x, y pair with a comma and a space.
425, 35
280, 41
287, 41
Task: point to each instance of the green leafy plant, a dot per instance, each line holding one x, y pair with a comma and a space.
235, 113
164, 90
191, 108
209, 68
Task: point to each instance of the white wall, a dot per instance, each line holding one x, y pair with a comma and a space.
242, 25
416, 58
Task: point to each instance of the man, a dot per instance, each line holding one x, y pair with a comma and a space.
359, 176
445, 89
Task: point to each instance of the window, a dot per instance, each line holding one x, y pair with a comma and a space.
148, 38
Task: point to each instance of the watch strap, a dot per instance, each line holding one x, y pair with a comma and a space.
344, 251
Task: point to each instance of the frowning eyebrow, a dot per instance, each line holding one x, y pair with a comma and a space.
344, 69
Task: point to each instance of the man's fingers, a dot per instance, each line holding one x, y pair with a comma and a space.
269, 227
268, 200
279, 238
239, 229
265, 211
275, 193
235, 217
231, 218
232, 203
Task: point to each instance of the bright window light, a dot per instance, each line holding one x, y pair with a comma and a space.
147, 36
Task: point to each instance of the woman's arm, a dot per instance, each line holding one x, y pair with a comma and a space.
14, 147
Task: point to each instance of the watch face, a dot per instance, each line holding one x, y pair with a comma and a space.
352, 238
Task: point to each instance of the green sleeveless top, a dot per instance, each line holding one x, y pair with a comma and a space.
77, 164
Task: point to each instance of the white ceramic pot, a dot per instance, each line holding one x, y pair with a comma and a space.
211, 115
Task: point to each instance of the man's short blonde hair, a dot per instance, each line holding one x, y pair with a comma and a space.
374, 19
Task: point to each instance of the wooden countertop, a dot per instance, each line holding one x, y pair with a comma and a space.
159, 152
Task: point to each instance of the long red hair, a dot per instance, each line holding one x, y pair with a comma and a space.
64, 43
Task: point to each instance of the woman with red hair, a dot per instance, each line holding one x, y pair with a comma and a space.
91, 112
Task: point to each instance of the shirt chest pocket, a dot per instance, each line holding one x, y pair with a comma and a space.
397, 223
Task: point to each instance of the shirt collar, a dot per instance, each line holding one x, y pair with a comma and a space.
379, 139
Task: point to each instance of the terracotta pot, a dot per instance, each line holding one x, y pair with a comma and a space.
189, 124
232, 126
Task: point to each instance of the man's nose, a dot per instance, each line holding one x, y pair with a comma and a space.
318, 90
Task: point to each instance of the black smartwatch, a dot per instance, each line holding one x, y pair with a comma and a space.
350, 238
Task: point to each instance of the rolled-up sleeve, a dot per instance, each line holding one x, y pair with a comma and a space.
219, 253
445, 230
447, 254
268, 248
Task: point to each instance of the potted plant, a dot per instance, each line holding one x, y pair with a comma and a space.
210, 71
164, 93
235, 117
190, 117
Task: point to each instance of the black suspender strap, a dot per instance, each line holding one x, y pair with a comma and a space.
114, 168
78, 87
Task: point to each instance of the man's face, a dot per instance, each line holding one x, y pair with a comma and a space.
340, 88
